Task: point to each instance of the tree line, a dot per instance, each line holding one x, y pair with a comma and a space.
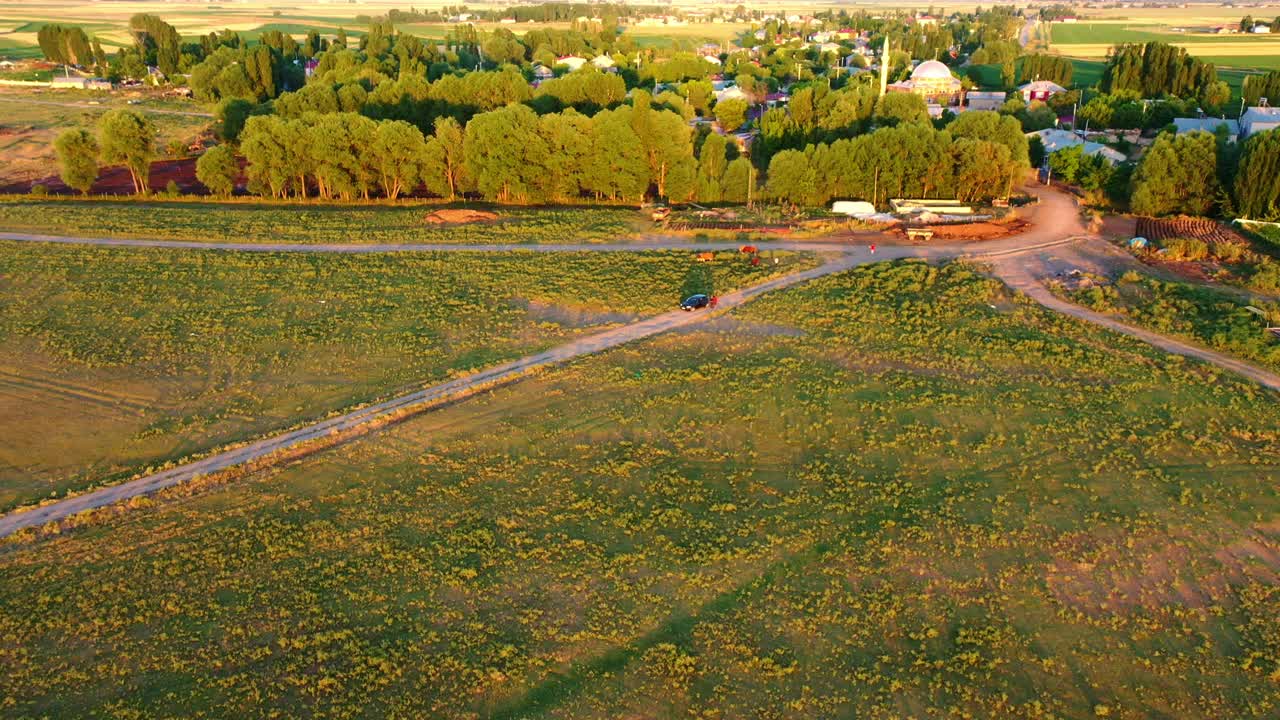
977, 157
1155, 69
1202, 174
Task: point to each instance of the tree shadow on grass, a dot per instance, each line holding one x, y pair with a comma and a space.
677, 630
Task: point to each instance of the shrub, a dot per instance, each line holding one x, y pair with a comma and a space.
1230, 252
1266, 276
39, 189
1185, 249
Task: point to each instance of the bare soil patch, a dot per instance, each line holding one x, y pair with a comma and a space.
458, 216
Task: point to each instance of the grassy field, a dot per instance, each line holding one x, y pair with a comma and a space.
899, 492
113, 359
1204, 315
307, 223
28, 127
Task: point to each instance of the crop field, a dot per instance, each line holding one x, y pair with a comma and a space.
896, 492
1095, 39
31, 119
311, 223
114, 359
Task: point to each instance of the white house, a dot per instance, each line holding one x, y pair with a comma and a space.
732, 93
573, 62
542, 72
712, 59
1040, 90
603, 62
1209, 125
1055, 140
979, 100
1260, 29
1259, 119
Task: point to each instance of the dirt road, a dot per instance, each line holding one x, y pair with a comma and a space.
1015, 273
1056, 223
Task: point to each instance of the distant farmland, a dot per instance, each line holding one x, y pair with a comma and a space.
1094, 40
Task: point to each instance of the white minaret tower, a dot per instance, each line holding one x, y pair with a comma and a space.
884, 67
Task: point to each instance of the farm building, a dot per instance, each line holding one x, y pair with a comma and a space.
573, 62
1055, 140
1209, 125
732, 93
1040, 90
1259, 119
932, 80
984, 100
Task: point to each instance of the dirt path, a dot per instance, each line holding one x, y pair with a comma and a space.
1016, 275
1056, 223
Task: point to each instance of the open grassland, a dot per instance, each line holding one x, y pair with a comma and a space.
310, 223
31, 119
115, 359
897, 492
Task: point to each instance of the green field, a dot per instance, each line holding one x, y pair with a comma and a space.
1204, 315
1115, 33
15, 49
115, 359
897, 492
309, 223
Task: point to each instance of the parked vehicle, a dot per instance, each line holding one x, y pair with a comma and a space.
695, 302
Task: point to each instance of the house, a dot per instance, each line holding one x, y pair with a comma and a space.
1055, 140
712, 59
984, 100
830, 47
604, 62
60, 81
573, 62
931, 80
542, 72
1040, 90
1209, 125
732, 93
1260, 28
1259, 119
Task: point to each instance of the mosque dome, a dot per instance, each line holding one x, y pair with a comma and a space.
931, 70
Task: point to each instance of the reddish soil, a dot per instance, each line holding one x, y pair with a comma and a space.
973, 232
115, 180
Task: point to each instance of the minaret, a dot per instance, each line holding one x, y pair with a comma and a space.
884, 67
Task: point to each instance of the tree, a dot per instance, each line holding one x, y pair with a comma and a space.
982, 168
895, 108
1178, 174
396, 147
78, 157
731, 113
792, 178
444, 160
711, 168
505, 154
1257, 182
217, 170
129, 138
738, 181
993, 127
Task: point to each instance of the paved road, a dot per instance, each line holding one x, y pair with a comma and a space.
104, 106
1057, 222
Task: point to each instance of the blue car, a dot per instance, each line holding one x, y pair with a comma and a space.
695, 302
